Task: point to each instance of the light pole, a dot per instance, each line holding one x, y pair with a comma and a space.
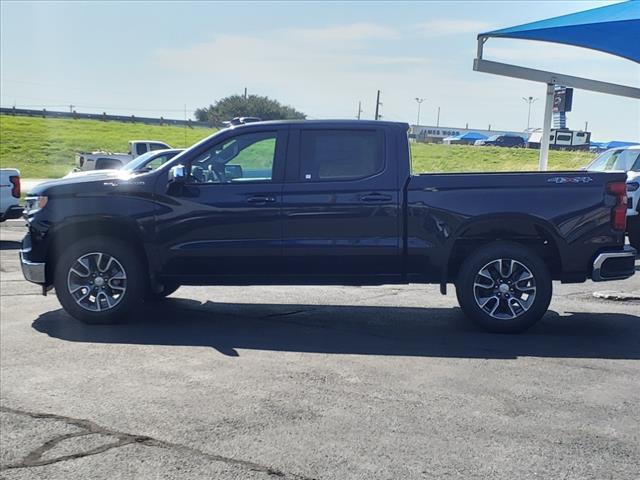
419, 102
529, 100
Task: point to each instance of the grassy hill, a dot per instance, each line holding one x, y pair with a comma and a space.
463, 158
44, 147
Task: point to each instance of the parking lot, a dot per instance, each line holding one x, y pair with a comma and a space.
317, 382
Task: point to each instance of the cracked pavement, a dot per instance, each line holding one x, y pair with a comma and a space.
316, 383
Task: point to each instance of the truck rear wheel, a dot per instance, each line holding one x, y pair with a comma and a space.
99, 280
504, 287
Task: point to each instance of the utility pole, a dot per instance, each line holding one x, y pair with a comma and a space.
185, 125
359, 109
586, 126
70, 108
530, 101
438, 120
419, 102
245, 93
378, 104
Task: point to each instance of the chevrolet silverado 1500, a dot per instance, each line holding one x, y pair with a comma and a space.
323, 202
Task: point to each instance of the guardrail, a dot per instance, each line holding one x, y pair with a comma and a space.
44, 113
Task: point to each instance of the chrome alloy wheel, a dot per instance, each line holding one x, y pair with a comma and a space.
97, 282
504, 288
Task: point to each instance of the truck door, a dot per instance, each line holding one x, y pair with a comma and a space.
226, 218
341, 203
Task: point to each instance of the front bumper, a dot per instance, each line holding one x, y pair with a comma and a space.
33, 271
614, 265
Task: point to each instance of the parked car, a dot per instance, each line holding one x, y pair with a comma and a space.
144, 163
100, 160
9, 194
502, 141
625, 159
323, 202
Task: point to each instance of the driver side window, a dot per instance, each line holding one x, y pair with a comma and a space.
244, 158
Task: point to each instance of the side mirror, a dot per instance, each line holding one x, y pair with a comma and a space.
177, 174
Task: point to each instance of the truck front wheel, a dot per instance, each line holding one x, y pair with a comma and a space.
99, 280
504, 287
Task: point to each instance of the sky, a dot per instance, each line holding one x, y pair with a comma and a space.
157, 58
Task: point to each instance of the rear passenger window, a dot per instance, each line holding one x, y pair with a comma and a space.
141, 148
327, 155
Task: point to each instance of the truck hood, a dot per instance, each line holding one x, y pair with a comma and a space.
83, 182
90, 173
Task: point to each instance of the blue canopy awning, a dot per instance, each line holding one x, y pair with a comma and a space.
472, 136
614, 29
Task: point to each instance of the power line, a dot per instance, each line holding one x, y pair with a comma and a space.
104, 108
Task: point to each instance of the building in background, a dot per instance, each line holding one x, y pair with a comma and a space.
437, 134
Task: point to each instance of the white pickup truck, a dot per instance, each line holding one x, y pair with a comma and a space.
9, 194
101, 160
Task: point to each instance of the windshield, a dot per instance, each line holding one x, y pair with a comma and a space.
616, 159
493, 137
149, 161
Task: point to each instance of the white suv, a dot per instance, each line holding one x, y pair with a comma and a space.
626, 159
9, 194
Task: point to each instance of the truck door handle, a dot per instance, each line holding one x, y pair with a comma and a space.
375, 197
261, 199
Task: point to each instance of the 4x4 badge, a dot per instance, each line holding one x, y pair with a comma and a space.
570, 180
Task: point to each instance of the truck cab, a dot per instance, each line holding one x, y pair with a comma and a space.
139, 147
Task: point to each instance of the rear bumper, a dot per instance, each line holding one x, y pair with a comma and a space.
614, 265
14, 211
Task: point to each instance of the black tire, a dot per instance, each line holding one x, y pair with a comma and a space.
135, 282
510, 302
167, 289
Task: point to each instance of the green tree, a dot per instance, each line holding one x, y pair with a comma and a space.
253, 106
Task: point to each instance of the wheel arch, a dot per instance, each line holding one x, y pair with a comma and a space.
528, 230
119, 228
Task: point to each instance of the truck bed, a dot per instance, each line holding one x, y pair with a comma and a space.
570, 209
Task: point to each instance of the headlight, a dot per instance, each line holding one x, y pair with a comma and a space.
35, 203
632, 186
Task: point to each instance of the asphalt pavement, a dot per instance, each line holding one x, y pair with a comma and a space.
317, 382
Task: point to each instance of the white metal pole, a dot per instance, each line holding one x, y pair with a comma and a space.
546, 128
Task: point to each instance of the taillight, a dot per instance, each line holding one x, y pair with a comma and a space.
15, 190
619, 212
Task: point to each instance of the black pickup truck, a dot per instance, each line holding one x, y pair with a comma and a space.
323, 202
